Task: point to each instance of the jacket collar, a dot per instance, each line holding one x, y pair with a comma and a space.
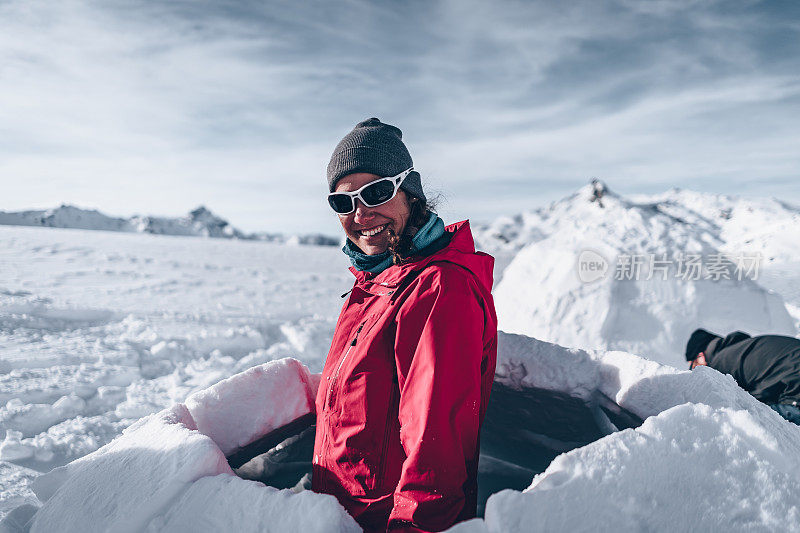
460, 250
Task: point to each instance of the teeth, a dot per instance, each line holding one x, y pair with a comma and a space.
373, 231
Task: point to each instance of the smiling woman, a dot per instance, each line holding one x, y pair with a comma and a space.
381, 216
407, 379
376, 209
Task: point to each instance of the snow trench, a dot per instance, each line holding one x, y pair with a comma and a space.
573, 440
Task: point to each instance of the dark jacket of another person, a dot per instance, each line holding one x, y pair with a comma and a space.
766, 366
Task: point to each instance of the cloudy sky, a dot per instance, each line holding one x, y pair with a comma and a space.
157, 107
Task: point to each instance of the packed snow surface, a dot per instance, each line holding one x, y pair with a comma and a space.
100, 329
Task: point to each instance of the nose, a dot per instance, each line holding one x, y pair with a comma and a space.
362, 213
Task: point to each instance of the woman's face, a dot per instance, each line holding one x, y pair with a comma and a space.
361, 225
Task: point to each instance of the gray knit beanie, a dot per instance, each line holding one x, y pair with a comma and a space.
376, 148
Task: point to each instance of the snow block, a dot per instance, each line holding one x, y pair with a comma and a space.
691, 468
708, 457
643, 387
168, 471
238, 410
229, 503
124, 484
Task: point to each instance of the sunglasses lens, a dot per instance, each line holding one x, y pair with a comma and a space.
341, 203
379, 192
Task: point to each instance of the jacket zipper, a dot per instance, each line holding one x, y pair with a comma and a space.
326, 406
329, 395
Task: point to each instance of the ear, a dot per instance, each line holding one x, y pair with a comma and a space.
700, 360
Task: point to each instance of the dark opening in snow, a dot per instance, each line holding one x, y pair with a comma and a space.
524, 430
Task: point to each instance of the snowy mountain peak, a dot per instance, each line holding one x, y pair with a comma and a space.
644, 298
200, 221
595, 214
202, 213
676, 220
65, 216
596, 188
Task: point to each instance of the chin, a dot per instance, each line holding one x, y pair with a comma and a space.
372, 249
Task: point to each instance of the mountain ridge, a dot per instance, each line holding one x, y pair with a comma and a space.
199, 222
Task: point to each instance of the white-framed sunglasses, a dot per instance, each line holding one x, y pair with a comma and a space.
372, 194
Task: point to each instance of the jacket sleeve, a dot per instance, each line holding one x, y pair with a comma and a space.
438, 351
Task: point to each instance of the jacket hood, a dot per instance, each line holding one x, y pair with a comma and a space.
460, 251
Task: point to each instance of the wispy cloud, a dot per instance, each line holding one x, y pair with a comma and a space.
158, 106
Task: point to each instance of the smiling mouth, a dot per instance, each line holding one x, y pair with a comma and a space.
373, 231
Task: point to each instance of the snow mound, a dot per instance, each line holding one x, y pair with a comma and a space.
649, 479
542, 293
709, 457
122, 485
168, 471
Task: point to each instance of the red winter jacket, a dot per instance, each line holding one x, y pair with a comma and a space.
405, 388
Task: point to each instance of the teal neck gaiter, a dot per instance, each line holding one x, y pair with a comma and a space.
422, 240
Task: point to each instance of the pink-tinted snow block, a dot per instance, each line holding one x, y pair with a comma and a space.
239, 410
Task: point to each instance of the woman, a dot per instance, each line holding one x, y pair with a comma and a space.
407, 379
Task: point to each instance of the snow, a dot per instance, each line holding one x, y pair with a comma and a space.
691, 468
765, 225
121, 486
124, 325
644, 387
642, 479
709, 457
542, 294
99, 329
199, 222
15, 489
228, 503
65, 216
236, 411
733, 223
174, 468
